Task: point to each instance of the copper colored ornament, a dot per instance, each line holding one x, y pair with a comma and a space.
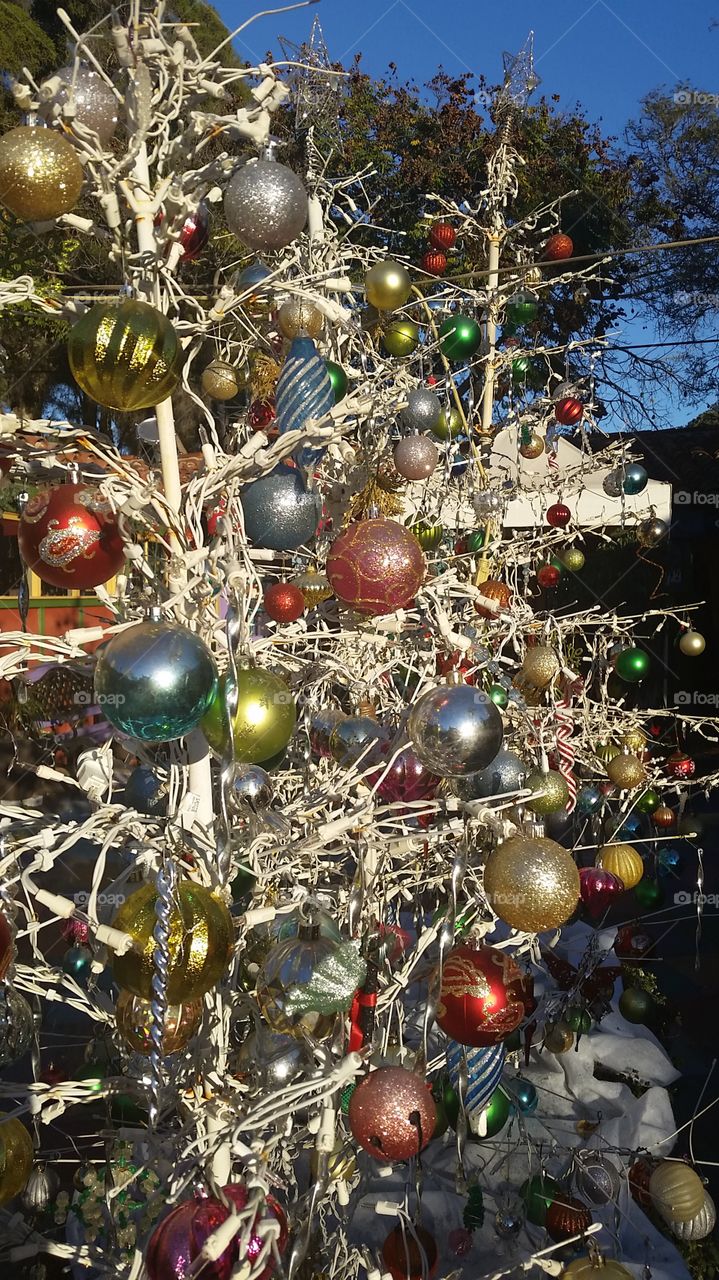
69, 537
568, 411
558, 1037
496, 591
410, 1253
434, 262
376, 566
664, 817
567, 1217
480, 996
626, 771
415, 457
680, 765
558, 247
283, 602
442, 235
314, 586
558, 515
533, 447
392, 1114
134, 1022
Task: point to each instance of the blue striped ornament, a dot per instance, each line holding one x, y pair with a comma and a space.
304, 391
484, 1072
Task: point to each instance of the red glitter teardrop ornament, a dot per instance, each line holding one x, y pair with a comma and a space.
442, 236
376, 566
568, 411
558, 515
283, 602
481, 996
407, 1257
435, 262
392, 1113
69, 538
558, 247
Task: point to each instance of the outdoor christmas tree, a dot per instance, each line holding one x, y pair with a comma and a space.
357, 780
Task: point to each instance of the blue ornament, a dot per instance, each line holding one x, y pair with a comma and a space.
484, 1071
146, 793
280, 512
631, 827
635, 479
304, 391
668, 859
254, 274
589, 800
524, 1095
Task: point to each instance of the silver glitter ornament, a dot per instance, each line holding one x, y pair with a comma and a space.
266, 205
40, 1189
280, 512
251, 788
505, 773
597, 1179
17, 1025
415, 457
455, 730
613, 483
422, 411
94, 102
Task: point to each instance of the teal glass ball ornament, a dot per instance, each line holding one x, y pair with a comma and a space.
459, 337
155, 680
632, 664
525, 1096
76, 963
635, 479
589, 800
280, 512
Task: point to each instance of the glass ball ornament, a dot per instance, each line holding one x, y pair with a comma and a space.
649, 894
272, 1060
387, 285
506, 772
632, 664
16, 1158
692, 643
498, 593
280, 512
17, 1025
146, 792
77, 963
410, 1254
566, 1217
40, 1189
7, 948
626, 771
179, 1239
636, 479
558, 515
676, 1191
589, 800
525, 1096
700, 1226
261, 414
540, 666
201, 938
680, 765
522, 308
598, 890
289, 965
652, 531
392, 1114
538, 1193
40, 173
299, 318
265, 205
406, 780
357, 738
559, 246
338, 378
595, 1267
442, 235
491, 1119
568, 411
549, 791
125, 355
434, 262
263, 721
422, 411
532, 883
582, 295
221, 380
509, 1218
459, 337
401, 338
449, 425
455, 730
69, 537
314, 586
480, 998
498, 695
429, 536
283, 602
613, 482
135, 1022
548, 576
415, 457
623, 861
155, 680
559, 1037
664, 817
532, 447
597, 1178
376, 566
93, 103
250, 789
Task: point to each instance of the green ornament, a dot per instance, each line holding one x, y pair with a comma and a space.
401, 338
557, 564
428, 536
405, 680
573, 559
499, 695
77, 961
460, 337
333, 983
450, 424
632, 664
636, 1005
521, 366
579, 1020
648, 801
473, 1215
475, 540
93, 1073
346, 1097
447, 1103
497, 1113
522, 308
649, 893
243, 884
338, 378
538, 1193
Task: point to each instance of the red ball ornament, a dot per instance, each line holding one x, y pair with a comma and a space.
406, 779
195, 233
447, 662
558, 515
598, 889
632, 943
410, 1254
566, 1217
442, 236
481, 996
180, 1238
680, 765
548, 576
435, 262
568, 411
558, 247
392, 1114
260, 414
664, 817
376, 566
284, 602
69, 537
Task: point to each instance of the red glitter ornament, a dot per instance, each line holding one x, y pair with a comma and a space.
435, 262
558, 247
260, 414
664, 817
6, 946
548, 576
566, 1217
409, 1253
496, 591
481, 996
568, 411
69, 537
376, 566
680, 765
442, 236
284, 602
392, 1113
179, 1239
76, 932
195, 233
558, 515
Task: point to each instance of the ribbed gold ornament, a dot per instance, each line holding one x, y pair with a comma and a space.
623, 861
125, 355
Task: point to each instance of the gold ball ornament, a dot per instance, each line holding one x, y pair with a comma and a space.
401, 338
125, 355
559, 1037
40, 173
531, 883
540, 666
263, 722
533, 447
596, 1267
676, 1191
606, 751
626, 771
449, 425
15, 1158
221, 380
299, 318
134, 1022
573, 559
341, 1162
533, 277
549, 789
200, 942
623, 861
387, 285
315, 587
692, 644
635, 741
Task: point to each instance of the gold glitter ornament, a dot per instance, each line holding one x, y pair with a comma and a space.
635, 740
533, 447
549, 789
539, 668
40, 173
531, 883
623, 861
134, 1022
626, 771
15, 1158
221, 380
299, 318
199, 946
125, 355
533, 277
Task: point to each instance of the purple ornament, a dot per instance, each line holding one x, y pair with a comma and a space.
406, 779
598, 889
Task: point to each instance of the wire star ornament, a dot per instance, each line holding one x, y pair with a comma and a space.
520, 77
316, 85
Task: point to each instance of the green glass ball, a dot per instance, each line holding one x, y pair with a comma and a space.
521, 309
636, 1005
538, 1193
649, 893
460, 337
497, 1112
446, 1101
264, 718
499, 695
401, 338
428, 536
338, 378
632, 664
125, 355
648, 801
76, 962
243, 884
521, 366
579, 1020
475, 540
450, 424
